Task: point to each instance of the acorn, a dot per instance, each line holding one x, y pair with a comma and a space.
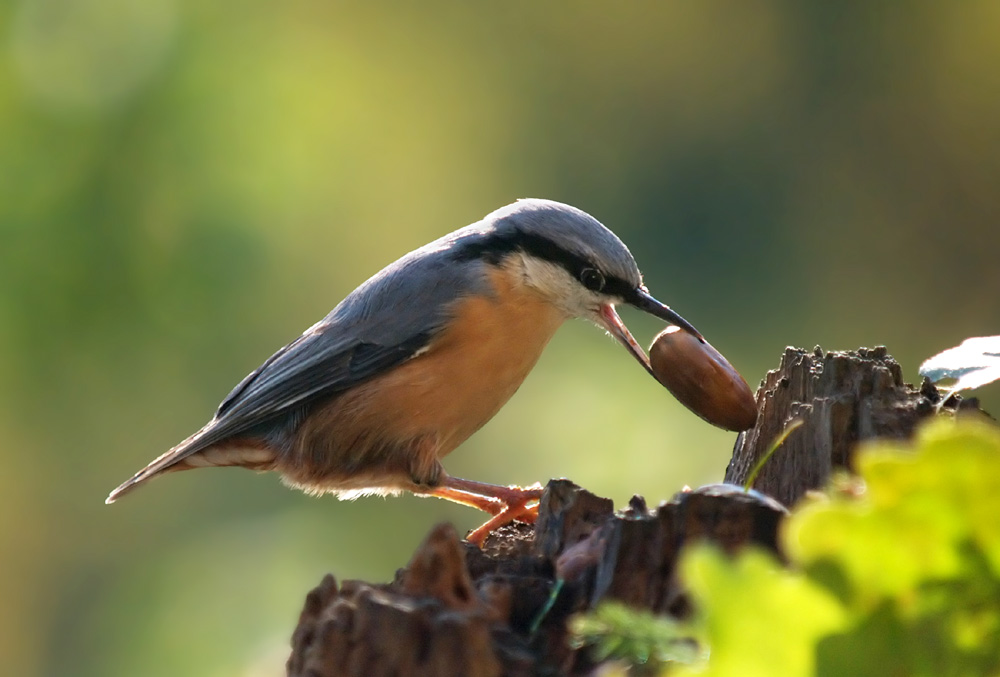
702, 379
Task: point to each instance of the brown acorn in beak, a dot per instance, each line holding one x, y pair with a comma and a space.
702, 379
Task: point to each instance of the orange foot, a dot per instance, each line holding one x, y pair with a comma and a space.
506, 504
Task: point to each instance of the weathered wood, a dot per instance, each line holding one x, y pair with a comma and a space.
458, 610
841, 398
503, 610
431, 621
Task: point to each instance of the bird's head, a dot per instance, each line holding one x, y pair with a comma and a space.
574, 262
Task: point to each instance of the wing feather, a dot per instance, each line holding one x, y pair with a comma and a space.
301, 372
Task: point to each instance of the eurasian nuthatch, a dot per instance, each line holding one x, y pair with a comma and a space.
419, 357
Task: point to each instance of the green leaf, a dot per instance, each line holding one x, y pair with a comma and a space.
615, 631
757, 617
901, 578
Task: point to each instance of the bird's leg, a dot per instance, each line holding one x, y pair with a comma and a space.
508, 496
506, 504
484, 503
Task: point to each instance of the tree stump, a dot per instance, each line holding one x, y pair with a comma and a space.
841, 398
503, 610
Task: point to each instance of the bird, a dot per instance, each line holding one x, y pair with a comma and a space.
369, 400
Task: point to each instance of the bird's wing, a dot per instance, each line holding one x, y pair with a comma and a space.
315, 365
384, 322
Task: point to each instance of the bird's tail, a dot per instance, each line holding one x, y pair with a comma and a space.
171, 460
201, 450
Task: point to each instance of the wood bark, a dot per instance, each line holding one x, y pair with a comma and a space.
841, 398
503, 610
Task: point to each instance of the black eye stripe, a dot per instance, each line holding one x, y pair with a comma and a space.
496, 247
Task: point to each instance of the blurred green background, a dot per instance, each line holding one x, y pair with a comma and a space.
186, 186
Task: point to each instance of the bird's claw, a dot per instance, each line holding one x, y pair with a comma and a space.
521, 505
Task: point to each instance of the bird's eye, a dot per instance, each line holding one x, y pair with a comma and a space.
592, 279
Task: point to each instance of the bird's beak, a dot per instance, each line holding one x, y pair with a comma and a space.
609, 320
643, 301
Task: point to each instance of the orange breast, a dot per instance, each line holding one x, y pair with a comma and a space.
390, 432
473, 368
